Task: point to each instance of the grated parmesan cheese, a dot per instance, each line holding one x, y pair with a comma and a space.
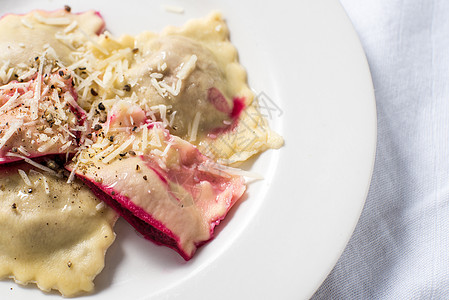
78, 64
101, 145
46, 186
158, 88
70, 27
9, 133
23, 151
25, 177
51, 21
195, 124
3, 69
119, 150
118, 92
173, 9
35, 164
48, 130
72, 173
144, 138
42, 137
187, 68
162, 112
61, 110
26, 23
48, 145
10, 103
156, 75
168, 88
172, 118
119, 69
37, 91
66, 130
100, 206
105, 152
44, 179
15, 85
72, 102
107, 77
27, 74
8, 75
178, 87
65, 146
88, 81
94, 43
164, 154
155, 139
66, 40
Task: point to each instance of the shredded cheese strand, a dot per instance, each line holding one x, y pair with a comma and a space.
9, 103
72, 174
119, 149
35, 164
187, 68
25, 177
10, 133
195, 124
51, 21
70, 27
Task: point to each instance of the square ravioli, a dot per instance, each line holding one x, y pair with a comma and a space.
162, 185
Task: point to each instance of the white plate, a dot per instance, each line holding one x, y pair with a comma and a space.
282, 241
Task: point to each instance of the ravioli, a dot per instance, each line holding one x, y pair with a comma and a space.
39, 117
182, 73
221, 81
190, 79
161, 184
51, 233
24, 37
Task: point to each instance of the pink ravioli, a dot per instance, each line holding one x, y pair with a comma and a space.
39, 117
168, 190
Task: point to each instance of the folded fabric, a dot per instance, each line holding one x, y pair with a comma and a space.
399, 249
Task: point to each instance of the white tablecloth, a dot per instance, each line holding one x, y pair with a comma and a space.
400, 248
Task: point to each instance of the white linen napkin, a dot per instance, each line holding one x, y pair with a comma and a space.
400, 248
